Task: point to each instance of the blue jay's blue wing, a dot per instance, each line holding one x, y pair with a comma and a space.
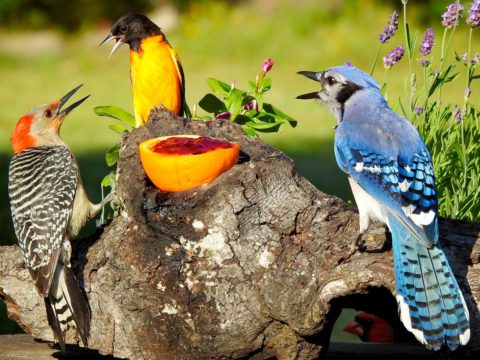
405, 185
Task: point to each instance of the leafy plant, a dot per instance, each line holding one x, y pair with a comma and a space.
246, 108
127, 122
450, 131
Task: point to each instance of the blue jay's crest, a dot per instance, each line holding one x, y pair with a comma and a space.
352, 74
392, 179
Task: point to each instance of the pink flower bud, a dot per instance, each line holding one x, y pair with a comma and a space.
224, 116
267, 65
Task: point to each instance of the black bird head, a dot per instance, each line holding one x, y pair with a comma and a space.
131, 29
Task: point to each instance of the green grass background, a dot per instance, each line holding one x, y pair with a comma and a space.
213, 40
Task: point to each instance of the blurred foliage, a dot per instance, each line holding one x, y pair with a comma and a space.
71, 16
65, 15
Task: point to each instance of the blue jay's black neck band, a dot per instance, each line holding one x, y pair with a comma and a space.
348, 89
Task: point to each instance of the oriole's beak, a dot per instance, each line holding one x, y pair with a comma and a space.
62, 113
118, 43
314, 76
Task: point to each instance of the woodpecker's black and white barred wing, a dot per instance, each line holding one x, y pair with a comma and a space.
42, 186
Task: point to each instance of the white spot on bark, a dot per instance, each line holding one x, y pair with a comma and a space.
214, 243
198, 225
266, 258
333, 289
160, 286
170, 309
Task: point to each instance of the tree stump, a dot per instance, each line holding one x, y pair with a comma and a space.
257, 264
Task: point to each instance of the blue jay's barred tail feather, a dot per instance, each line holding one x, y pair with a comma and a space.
67, 306
430, 303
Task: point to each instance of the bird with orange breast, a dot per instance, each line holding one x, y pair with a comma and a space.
155, 68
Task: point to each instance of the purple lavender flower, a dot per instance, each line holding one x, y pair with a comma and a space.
390, 29
267, 65
427, 42
457, 114
223, 116
426, 46
424, 61
473, 61
476, 59
452, 15
418, 110
473, 18
393, 57
348, 63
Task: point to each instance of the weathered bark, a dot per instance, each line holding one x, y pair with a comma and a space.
257, 264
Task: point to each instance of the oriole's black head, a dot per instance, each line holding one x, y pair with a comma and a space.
131, 29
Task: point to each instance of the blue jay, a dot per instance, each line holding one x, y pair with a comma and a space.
391, 176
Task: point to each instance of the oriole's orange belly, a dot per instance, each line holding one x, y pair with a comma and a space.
155, 78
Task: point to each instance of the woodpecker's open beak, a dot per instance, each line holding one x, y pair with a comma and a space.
119, 42
62, 113
314, 76
353, 327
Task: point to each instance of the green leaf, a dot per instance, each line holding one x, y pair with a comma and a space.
260, 101
218, 87
188, 113
251, 87
116, 113
210, 103
242, 119
269, 108
233, 102
249, 131
266, 85
247, 99
106, 181
442, 79
118, 128
408, 40
262, 125
111, 157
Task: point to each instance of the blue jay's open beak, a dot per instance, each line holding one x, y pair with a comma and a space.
314, 76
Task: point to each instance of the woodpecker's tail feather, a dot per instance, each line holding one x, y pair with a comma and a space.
430, 303
67, 306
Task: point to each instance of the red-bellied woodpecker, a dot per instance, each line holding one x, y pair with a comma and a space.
49, 207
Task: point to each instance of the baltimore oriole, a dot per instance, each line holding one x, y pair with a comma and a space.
155, 69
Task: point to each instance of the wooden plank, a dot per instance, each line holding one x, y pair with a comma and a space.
23, 347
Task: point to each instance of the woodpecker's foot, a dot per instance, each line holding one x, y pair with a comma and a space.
112, 196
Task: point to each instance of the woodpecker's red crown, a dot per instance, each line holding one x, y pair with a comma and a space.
41, 125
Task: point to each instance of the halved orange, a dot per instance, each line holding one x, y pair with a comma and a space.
181, 162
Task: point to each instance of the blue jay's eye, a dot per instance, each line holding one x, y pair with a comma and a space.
48, 113
331, 80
